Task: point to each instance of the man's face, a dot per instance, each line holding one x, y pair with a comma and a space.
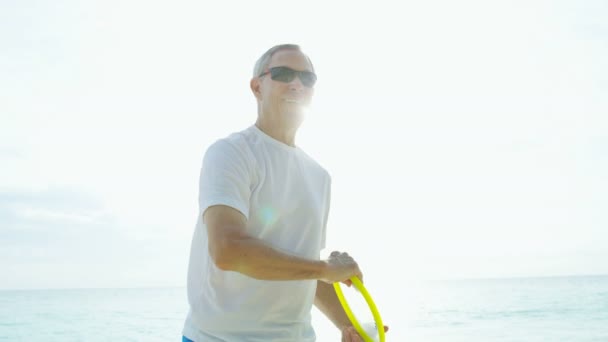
285, 102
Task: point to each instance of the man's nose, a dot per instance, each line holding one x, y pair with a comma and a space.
296, 84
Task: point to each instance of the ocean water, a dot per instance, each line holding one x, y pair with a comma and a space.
92, 315
520, 309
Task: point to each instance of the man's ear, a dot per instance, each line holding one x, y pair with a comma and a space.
254, 84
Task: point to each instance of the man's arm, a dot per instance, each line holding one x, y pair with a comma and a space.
326, 300
232, 249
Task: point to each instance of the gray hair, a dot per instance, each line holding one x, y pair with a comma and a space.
264, 61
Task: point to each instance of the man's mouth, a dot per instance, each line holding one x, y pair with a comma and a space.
292, 101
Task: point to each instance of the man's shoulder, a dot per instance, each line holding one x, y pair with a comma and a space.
233, 140
234, 146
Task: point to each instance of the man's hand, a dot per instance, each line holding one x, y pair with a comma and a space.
340, 268
349, 334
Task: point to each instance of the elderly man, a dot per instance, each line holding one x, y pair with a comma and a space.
255, 268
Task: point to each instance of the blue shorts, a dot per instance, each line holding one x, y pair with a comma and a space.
185, 339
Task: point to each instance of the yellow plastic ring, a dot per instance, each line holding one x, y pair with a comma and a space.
370, 303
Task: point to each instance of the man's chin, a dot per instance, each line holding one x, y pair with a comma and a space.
294, 117
295, 110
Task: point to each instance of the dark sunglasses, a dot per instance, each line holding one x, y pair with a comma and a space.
286, 75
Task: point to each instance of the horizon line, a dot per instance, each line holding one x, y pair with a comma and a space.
158, 287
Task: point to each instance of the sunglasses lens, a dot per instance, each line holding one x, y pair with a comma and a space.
308, 78
286, 75
282, 74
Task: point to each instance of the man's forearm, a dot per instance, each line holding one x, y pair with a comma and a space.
327, 302
257, 259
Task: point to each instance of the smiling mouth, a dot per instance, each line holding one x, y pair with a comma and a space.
292, 101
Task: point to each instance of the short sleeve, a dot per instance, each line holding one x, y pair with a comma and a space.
225, 178
326, 214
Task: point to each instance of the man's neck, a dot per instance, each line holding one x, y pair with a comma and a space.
287, 137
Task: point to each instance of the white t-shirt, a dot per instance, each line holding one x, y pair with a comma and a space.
285, 196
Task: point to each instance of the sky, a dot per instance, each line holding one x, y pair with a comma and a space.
465, 139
